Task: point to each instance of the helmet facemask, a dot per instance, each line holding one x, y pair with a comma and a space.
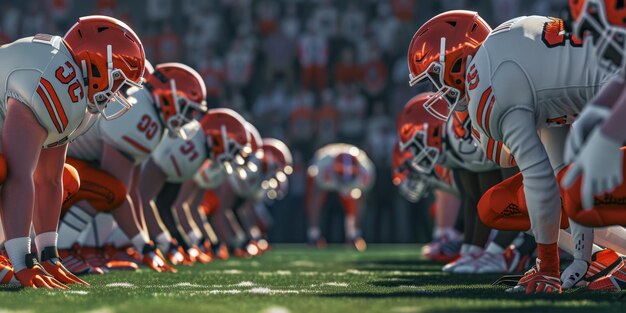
435, 74
102, 100
425, 157
184, 109
609, 40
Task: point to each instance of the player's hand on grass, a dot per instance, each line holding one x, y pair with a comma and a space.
154, 259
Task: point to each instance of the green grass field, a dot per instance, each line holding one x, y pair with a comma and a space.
298, 279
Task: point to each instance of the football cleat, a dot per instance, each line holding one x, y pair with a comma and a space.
319, 242
7, 276
516, 261
615, 281
51, 263
176, 255
442, 250
536, 281
199, 256
263, 245
603, 263
76, 264
221, 251
98, 257
35, 276
154, 259
462, 259
359, 244
486, 263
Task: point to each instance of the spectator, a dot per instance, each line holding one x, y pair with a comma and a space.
239, 65
352, 107
404, 10
302, 121
380, 136
504, 10
279, 51
290, 23
269, 109
401, 92
167, 45
34, 21
385, 27
11, 17
313, 57
325, 19
211, 68
375, 74
158, 11
327, 120
347, 71
267, 16
353, 23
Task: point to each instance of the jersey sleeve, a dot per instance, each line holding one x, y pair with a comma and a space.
540, 186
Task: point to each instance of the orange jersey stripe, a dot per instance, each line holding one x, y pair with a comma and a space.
488, 115
173, 159
46, 102
135, 144
55, 99
481, 107
490, 149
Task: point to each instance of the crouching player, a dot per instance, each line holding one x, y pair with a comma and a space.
346, 170
53, 89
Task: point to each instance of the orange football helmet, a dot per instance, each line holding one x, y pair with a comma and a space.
111, 56
226, 135
420, 133
438, 53
178, 90
605, 22
277, 165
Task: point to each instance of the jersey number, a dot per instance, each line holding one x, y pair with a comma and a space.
554, 34
147, 126
189, 149
67, 75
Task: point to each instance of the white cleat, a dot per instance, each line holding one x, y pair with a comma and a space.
486, 263
464, 258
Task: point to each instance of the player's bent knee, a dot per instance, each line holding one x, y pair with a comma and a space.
71, 182
608, 209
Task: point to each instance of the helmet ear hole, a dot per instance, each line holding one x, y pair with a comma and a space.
456, 68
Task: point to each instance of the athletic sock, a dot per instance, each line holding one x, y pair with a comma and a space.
17, 248
163, 241
139, 241
45, 240
548, 257
73, 223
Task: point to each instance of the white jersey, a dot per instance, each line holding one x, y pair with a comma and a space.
135, 134
179, 159
40, 72
529, 76
323, 162
529, 64
210, 176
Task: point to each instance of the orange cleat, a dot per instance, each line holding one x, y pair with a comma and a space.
199, 256
7, 276
76, 264
221, 251
51, 263
536, 281
35, 276
154, 259
614, 281
359, 244
98, 257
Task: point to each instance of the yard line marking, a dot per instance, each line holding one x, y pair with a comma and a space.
121, 284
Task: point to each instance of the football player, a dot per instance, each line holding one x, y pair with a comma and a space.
222, 140
346, 170
55, 88
414, 185
521, 83
109, 157
431, 142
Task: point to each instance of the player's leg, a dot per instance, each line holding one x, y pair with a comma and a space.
22, 139
353, 210
314, 201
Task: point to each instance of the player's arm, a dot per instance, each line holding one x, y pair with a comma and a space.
185, 196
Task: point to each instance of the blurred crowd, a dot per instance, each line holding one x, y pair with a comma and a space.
309, 72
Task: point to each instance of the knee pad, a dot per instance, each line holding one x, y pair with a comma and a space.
103, 191
503, 206
71, 182
609, 209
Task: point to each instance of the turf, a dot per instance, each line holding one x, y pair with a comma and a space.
298, 279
